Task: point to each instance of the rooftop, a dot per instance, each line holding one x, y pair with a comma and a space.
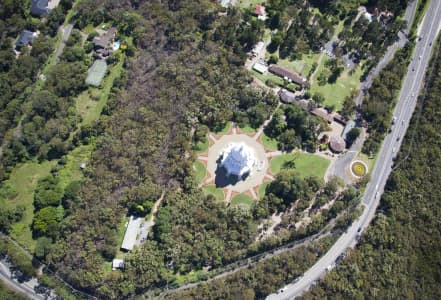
322, 113
26, 38
337, 144
289, 74
259, 10
39, 7
104, 41
131, 233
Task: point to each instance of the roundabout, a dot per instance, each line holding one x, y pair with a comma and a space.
358, 168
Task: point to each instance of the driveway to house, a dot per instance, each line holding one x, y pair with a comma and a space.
66, 33
402, 39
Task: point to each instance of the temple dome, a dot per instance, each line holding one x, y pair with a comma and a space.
238, 159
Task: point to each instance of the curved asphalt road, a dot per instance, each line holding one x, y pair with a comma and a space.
403, 111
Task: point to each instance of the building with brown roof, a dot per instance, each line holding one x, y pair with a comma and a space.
287, 74
337, 144
322, 113
105, 41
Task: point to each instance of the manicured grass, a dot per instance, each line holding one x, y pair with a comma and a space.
302, 66
269, 143
90, 109
264, 77
247, 129
335, 93
358, 169
305, 164
213, 190
88, 29
200, 171
370, 162
24, 180
224, 130
242, 200
201, 147
262, 188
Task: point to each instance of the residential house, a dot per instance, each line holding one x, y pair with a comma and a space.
287, 96
103, 44
322, 113
40, 8
287, 74
259, 11
26, 38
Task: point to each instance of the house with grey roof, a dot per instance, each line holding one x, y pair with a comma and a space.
25, 39
40, 8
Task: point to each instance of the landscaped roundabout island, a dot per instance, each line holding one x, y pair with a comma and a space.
359, 168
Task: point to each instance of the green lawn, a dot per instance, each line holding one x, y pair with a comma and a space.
213, 190
269, 143
224, 130
23, 181
242, 200
302, 66
201, 147
305, 164
264, 77
248, 130
71, 170
200, 171
370, 162
90, 109
262, 188
335, 93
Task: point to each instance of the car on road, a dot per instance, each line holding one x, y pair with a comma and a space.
394, 119
394, 149
398, 138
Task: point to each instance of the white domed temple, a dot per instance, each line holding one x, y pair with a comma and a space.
238, 159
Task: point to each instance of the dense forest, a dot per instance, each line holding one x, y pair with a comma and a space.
399, 255
185, 76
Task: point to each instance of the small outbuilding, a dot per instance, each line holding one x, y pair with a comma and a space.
117, 264
260, 67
